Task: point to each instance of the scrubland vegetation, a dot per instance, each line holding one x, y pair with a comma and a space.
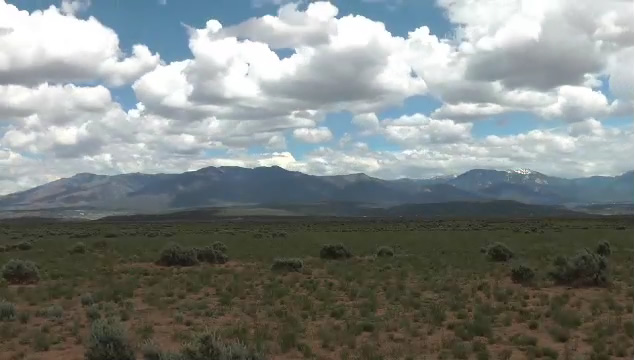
337, 289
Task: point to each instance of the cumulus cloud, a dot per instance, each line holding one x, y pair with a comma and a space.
552, 59
419, 129
48, 46
348, 63
583, 148
52, 104
575, 103
291, 28
468, 111
505, 51
620, 72
72, 7
580, 149
313, 135
367, 123
539, 45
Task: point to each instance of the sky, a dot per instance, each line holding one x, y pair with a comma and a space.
390, 88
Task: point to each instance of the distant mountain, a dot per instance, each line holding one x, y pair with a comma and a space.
478, 179
235, 186
604, 189
532, 187
536, 194
81, 190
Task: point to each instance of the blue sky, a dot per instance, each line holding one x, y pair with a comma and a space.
430, 87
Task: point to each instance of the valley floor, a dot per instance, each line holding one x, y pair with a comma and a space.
438, 297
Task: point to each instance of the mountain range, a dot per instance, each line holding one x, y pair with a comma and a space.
236, 186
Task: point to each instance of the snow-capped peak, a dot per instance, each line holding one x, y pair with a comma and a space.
521, 171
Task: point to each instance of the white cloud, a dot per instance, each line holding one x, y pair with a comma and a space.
620, 71
583, 148
547, 58
539, 45
48, 46
313, 135
419, 130
575, 103
348, 63
468, 111
368, 122
53, 104
72, 7
587, 127
506, 49
291, 28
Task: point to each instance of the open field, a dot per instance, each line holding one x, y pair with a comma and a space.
438, 297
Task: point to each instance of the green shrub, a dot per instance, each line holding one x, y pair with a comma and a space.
54, 311
585, 268
559, 334
100, 244
524, 340
460, 350
78, 248
208, 346
108, 341
176, 255
7, 311
25, 245
480, 325
533, 325
41, 341
92, 312
17, 271
24, 317
287, 264
151, 351
219, 246
385, 251
522, 274
549, 352
211, 255
498, 252
335, 251
87, 299
603, 248
366, 326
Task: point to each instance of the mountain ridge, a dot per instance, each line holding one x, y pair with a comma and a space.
232, 185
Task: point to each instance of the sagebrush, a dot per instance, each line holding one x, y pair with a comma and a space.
287, 264
176, 255
211, 255
522, 274
18, 271
335, 251
108, 341
385, 251
498, 252
584, 268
